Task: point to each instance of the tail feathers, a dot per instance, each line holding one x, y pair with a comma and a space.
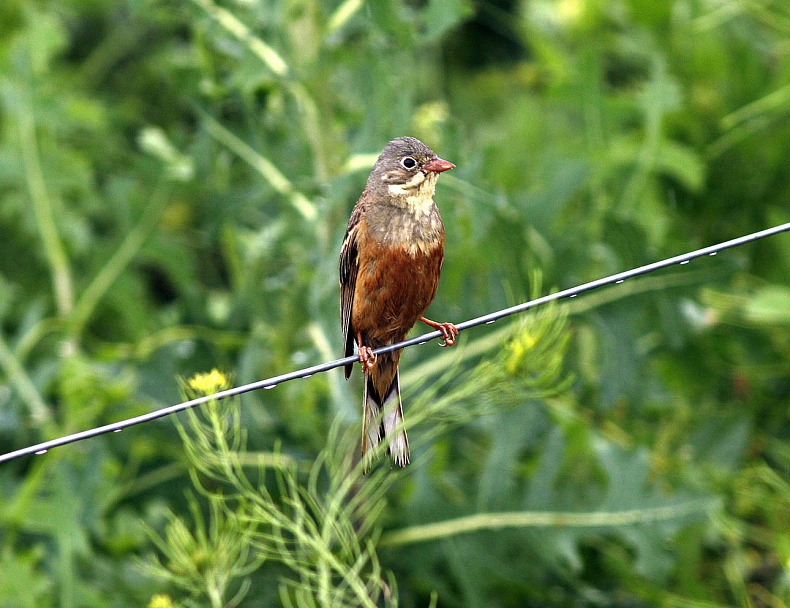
371, 424
384, 422
392, 422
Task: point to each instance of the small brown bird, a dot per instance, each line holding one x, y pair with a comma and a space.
389, 272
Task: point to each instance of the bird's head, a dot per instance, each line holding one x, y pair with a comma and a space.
406, 172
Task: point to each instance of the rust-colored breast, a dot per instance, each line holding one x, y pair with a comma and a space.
395, 285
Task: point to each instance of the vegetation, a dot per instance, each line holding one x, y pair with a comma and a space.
175, 180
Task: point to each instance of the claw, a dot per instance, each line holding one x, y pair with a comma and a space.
449, 331
367, 357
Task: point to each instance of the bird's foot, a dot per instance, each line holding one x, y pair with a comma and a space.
367, 357
449, 331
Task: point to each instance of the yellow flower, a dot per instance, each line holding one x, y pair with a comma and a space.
161, 600
518, 349
209, 383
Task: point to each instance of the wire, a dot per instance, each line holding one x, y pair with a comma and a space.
269, 383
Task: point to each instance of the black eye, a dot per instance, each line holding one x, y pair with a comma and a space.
408, 162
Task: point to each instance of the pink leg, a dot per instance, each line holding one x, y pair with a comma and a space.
449, 331
366, 356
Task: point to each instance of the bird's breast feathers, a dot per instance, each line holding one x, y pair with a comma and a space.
409, 229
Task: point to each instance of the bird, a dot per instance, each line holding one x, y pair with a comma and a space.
390, 262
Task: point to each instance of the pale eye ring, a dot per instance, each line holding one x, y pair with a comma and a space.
408, 162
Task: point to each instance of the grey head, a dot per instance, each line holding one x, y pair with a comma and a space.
406, 169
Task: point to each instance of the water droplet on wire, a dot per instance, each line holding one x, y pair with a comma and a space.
714, 253
117, 430
40, 452
306, 376
266, 388
491, 321
618, 282
684, 262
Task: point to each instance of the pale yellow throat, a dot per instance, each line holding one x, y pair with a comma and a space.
416, 194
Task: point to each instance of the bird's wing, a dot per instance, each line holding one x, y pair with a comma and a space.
349, 266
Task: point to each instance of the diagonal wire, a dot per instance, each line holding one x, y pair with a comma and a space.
41, 448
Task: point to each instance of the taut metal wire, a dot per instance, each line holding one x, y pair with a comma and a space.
41, 448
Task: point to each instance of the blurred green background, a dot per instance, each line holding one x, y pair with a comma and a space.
175, 181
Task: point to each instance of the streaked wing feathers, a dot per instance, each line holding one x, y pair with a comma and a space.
349, 266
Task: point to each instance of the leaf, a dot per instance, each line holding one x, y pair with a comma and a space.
681, 163
24, 583
442, 15
769, 306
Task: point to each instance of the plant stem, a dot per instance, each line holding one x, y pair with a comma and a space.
44, 213
123, 255
543, 519
18, 377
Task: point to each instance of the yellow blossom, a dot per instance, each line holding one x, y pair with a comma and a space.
161, 600
517, 350
209, 383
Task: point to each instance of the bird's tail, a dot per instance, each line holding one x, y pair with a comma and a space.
383, 421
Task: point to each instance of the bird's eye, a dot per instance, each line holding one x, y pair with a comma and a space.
408, 162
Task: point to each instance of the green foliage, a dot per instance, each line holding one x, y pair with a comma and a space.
324, 525
175, 179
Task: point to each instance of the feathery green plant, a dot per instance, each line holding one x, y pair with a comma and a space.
324, 525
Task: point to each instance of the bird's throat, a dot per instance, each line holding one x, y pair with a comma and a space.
416, 195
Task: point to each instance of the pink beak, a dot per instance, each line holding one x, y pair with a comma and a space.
438, 165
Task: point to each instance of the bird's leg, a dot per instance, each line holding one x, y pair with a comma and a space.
366, 355
449, 331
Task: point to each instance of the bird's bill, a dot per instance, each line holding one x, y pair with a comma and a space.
438, 165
